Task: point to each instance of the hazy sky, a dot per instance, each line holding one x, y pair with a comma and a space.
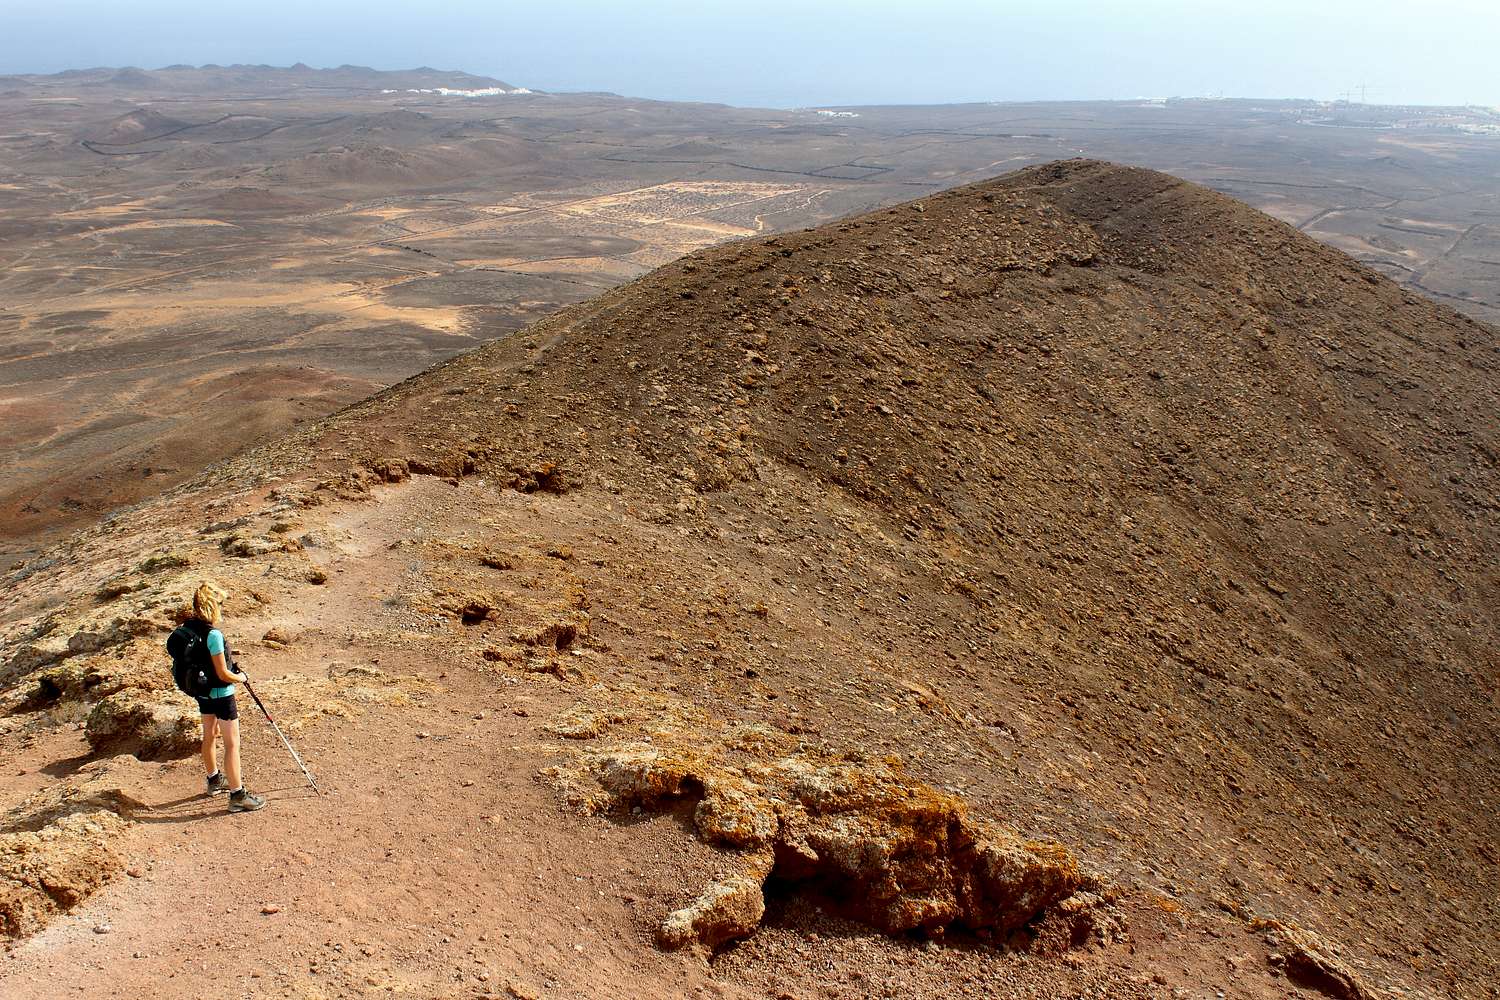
778, 53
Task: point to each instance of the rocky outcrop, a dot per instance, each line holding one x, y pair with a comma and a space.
49, 871
910, 857
89, 679
56, 846
49, 644
152, 725
1311, 962
250, 546
103, 784
894, 854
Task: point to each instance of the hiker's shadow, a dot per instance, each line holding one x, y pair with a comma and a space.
184, 810
193, 808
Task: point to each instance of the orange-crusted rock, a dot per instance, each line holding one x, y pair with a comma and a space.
730, 908
896, 855
734, 817
1011, 880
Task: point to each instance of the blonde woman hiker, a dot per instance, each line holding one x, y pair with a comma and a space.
214, 692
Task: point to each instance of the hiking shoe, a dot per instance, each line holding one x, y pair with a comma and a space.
243, 801
217, 783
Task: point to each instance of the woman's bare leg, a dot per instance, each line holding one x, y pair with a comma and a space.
210, 728
230, 730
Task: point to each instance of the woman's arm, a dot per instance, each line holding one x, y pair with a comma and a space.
219, 652
221, 668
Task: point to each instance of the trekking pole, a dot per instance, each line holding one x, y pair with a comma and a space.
284, 741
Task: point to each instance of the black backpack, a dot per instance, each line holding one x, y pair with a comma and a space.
192, 666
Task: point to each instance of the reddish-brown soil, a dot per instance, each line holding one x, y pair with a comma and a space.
1100, 505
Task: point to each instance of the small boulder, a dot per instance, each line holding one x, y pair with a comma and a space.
1083, 919
1013, 880
645, 777
118, 587
724, 911
277, 637
152, 725
166, 559
390, 470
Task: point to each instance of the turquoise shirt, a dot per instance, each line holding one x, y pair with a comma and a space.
216, 646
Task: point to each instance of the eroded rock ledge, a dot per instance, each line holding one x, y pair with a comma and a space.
58, 846
895, 854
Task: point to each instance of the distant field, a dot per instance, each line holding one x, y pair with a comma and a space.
185, 273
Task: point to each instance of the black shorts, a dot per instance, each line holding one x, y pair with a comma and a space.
220, 708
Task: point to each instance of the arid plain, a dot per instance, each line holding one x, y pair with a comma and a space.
197, 259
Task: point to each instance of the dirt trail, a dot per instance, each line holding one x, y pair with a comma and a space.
435, 865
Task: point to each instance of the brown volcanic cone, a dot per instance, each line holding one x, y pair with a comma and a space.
140, 125
1128, 514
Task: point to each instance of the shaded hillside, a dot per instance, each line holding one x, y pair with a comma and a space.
1091, 503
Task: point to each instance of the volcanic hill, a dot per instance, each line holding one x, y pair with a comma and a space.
1074, 584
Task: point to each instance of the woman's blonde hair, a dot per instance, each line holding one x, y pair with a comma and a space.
207, 601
